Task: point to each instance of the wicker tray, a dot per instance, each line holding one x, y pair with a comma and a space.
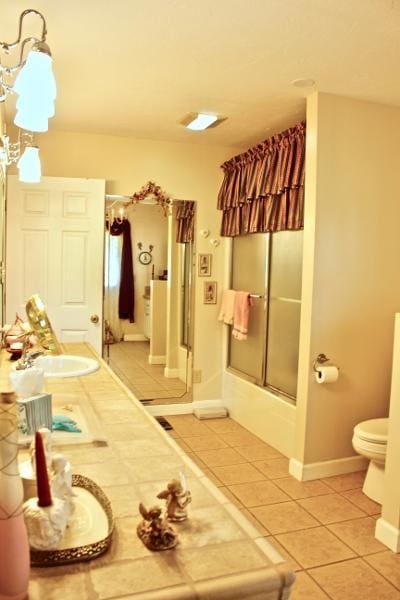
90, 531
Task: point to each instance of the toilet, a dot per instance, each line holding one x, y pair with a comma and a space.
370, 440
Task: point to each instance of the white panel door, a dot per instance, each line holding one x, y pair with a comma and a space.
55, 236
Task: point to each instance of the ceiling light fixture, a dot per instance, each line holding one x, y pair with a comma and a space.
33, 76
199, 121
32, 79
303, 83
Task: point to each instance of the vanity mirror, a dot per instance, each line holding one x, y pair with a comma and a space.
150, 349
41, 326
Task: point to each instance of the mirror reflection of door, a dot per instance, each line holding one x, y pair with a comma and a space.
151, 352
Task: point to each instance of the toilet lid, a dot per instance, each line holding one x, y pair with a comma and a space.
375, 430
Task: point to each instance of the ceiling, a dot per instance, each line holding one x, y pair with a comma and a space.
136, 67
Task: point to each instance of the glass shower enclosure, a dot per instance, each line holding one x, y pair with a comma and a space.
269, 266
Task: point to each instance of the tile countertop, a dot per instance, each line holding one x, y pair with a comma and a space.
220, 555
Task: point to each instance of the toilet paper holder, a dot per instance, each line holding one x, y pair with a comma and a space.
320, 360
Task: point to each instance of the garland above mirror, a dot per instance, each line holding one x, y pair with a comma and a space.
153, 190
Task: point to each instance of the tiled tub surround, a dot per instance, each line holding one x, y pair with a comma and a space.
221, 555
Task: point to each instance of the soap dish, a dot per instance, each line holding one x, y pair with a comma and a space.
89, 531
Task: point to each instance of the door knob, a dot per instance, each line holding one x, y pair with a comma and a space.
94, 318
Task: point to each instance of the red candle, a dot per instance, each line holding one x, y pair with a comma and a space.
42, 478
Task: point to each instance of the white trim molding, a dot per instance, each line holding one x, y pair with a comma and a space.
184, 408
327, 468
135, 337
157, 360
388, 534
171, 373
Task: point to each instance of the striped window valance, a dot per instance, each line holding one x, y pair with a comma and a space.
263, 188
185, 221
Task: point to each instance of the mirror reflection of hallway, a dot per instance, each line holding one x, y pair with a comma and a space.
151, 351
129, 360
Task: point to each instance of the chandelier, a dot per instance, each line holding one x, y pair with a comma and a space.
31, 79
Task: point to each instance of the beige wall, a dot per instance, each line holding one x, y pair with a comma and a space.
351, 277
186, 171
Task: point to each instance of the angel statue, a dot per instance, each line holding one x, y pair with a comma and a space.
156, 533
61, 480
178, 497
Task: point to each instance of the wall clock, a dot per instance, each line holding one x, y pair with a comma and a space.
145, 258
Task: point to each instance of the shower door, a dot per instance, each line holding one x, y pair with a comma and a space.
249, 266
269, 266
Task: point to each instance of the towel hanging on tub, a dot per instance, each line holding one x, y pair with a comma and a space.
227, 304
241, 311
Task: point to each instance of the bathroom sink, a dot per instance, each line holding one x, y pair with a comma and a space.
65, 365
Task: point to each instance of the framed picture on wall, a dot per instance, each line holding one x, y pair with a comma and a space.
210, 292
204, 266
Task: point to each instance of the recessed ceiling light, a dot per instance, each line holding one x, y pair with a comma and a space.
303, 83
199, 121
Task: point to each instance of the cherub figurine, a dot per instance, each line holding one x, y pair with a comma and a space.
61, 479
178, 497
156, 533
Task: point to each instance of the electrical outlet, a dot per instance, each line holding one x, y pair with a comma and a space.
196, 376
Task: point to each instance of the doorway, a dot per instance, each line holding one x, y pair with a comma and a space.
55, 249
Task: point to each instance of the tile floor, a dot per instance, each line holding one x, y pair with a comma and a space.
324, 528
129, 360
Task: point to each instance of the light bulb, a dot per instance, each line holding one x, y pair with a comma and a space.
29, 165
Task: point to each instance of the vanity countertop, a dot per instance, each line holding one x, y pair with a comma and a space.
220, 555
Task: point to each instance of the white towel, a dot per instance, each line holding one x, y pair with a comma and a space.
227, 304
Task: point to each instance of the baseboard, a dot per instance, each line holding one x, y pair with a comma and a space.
135, 337
184, 408
157, 360
163, 410
388, 534
218, 403
328, 468
171, 373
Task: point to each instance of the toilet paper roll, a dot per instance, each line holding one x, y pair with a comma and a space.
327, 374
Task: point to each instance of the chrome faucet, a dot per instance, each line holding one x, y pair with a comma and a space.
27, 358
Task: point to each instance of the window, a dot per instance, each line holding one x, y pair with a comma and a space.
269, 267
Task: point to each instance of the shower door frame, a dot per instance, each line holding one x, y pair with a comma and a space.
260, 381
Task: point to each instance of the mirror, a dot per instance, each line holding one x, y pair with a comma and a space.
3, 237
151, 349
41, 326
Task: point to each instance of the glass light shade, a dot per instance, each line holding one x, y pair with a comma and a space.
201, 122
29, 165
36, 76
36, 105
31, 121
